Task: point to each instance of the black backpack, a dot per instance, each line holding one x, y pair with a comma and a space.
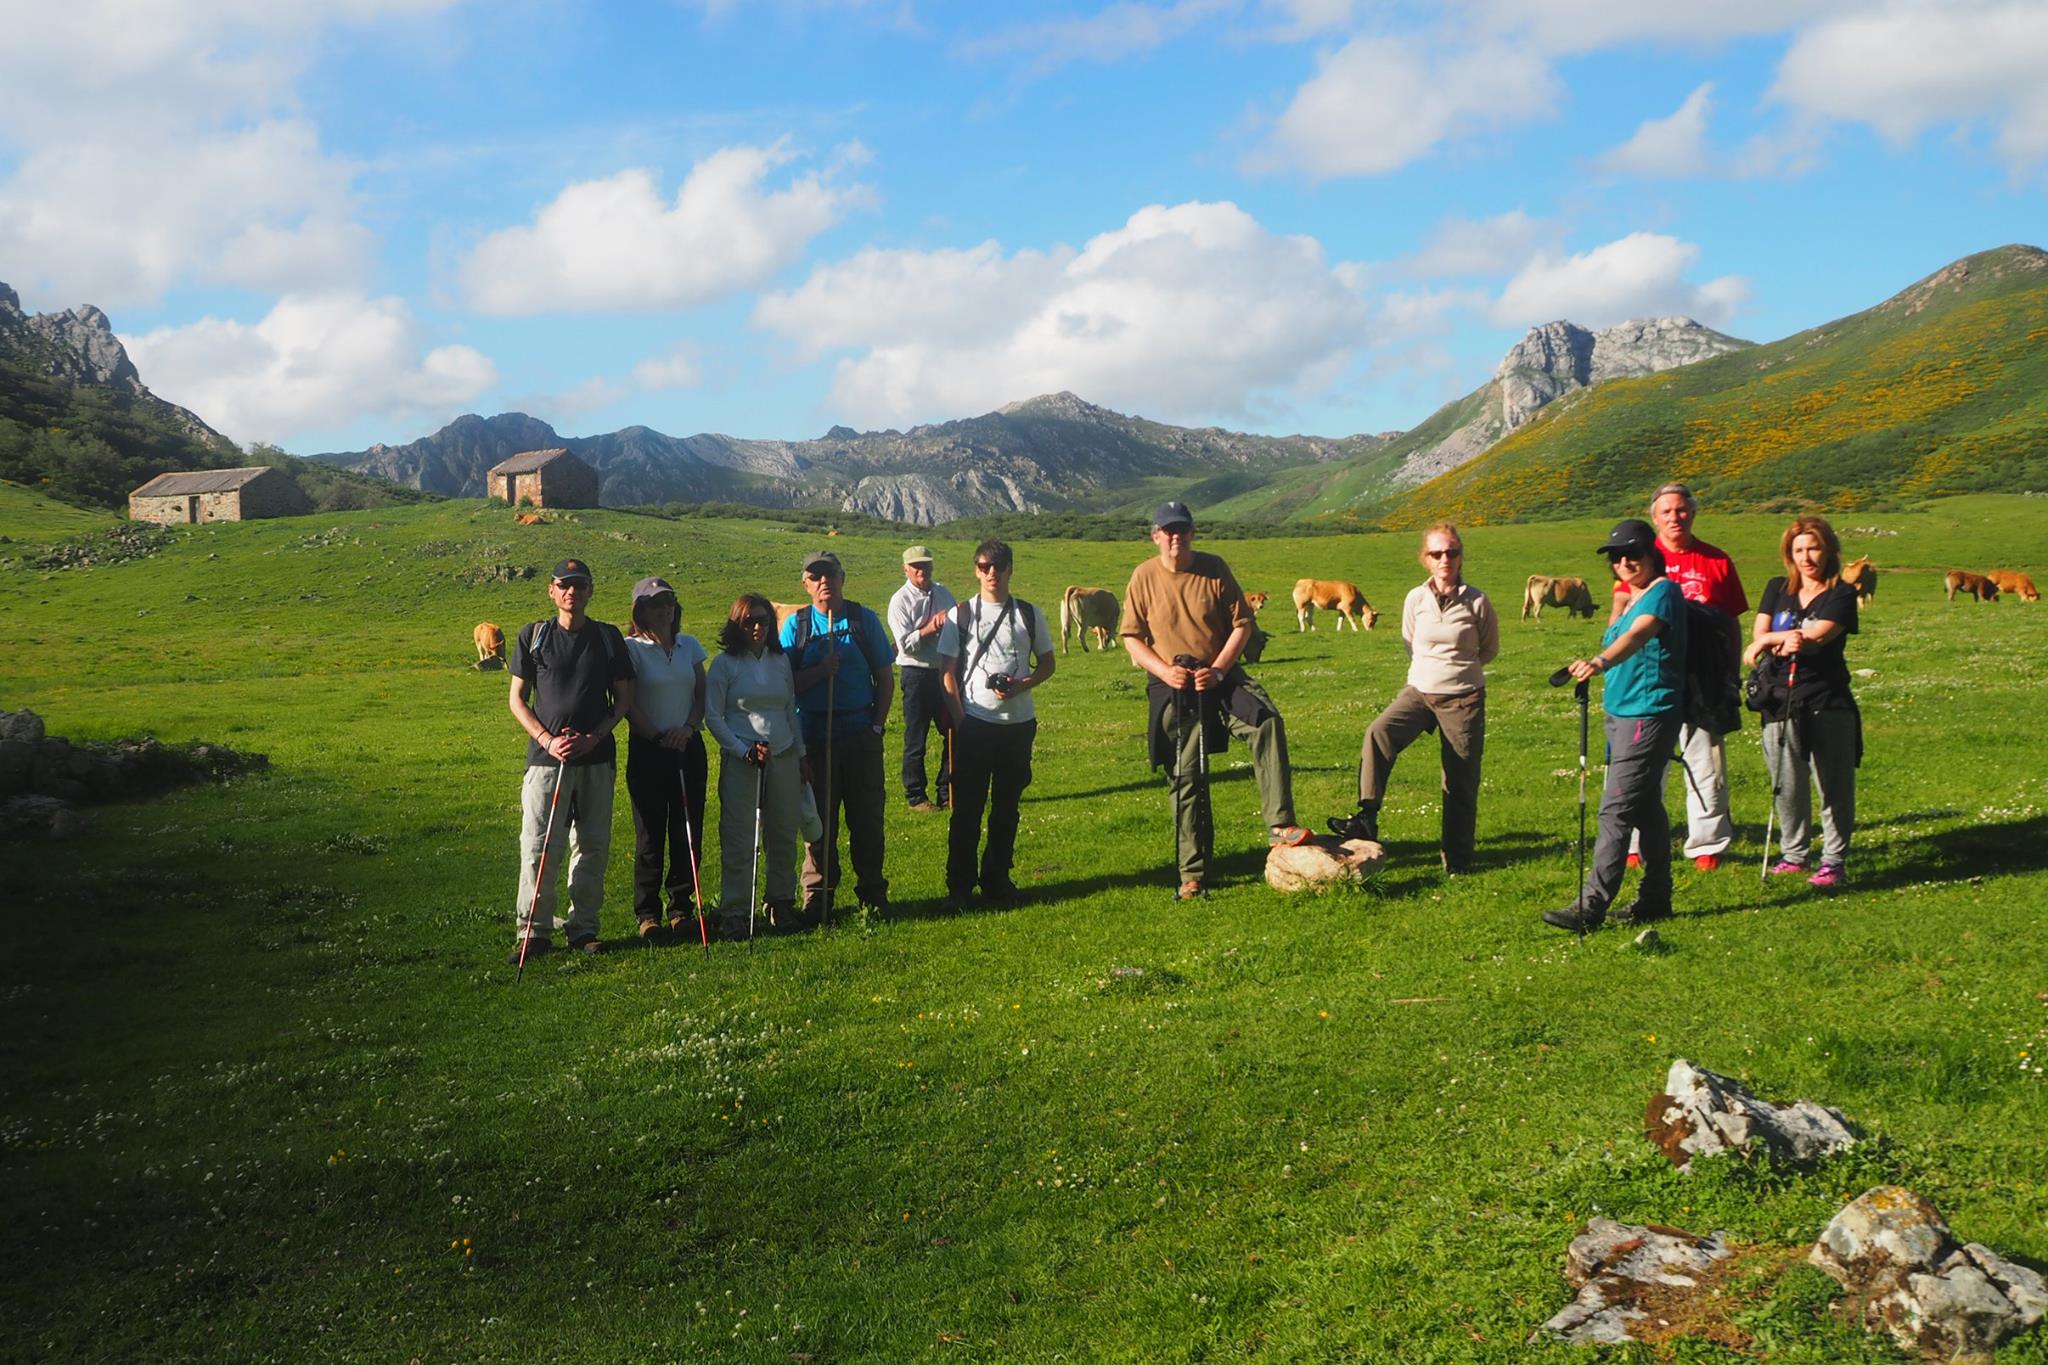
802, 635
1713, 671
963, 667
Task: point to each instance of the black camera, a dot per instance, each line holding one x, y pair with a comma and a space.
1002, 684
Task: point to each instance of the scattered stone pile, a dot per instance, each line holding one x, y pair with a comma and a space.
42, 775
114, 545
1889, 1249
1322, 863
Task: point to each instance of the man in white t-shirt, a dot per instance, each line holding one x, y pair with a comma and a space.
995, 649
916, 615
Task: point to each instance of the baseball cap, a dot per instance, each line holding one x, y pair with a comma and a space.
572, 571
1172, 513
651, 586
1634, 537
824, 557
917, 554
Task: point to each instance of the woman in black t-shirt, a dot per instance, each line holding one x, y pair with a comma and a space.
1812, 733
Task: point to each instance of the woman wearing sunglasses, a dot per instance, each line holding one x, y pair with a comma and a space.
1642, 658
1451, 634
1811, 724
750, 709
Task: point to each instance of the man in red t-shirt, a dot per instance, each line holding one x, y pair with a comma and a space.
1706, 575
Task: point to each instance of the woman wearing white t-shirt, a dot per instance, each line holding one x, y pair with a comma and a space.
994, 648
665, 763
750, 707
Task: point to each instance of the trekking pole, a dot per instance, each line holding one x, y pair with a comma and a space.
831, 811
1180, 728
696, 880
1584, 693
1763, 871
540, 872
754, 874
1205, 822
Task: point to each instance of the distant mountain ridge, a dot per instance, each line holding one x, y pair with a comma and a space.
1054, 452
78, 348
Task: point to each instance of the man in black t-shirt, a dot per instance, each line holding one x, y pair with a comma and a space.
580, 681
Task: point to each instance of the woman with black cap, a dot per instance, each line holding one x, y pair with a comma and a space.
665, 764
1642, 660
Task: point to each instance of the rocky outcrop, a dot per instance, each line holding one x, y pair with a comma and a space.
1628, 1277
1700, 1113
1322, 863
1052, 452
1553, 360
1906, 1275
33, 763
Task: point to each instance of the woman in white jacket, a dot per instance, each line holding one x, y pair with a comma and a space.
750, 709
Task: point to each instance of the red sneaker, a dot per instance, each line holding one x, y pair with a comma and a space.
1635, 860
1706, 862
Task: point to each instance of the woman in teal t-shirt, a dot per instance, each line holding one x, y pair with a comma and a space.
1642, 657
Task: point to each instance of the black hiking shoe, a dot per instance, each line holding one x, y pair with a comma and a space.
1360, 824
536, 947
1576, 918
1635, 912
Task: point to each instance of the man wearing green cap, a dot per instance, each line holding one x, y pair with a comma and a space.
917, 613
580, 680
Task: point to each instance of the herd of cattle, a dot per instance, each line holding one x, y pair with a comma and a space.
1086, 612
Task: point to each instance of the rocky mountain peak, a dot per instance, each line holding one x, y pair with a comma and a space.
10, 302
1558, 357
1064, 405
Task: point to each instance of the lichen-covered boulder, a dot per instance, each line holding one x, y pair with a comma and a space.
1629, 1276
1322, 863
1700, 1112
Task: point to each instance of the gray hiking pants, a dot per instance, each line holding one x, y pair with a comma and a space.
583, 825
1638, 751
1822, 747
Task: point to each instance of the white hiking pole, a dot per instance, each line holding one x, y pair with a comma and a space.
696, 881
1584, 694
831, 812
540, 872
754, 876
1180, 733
1763, 872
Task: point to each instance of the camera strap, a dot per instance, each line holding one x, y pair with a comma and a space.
981, 643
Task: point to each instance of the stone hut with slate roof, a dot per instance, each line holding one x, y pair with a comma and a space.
543, 478
197, 495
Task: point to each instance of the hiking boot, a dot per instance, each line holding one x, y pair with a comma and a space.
1707, 862
1360, 824
924, 807
588, 945
535, 947
1288, 836
876, 905
1576, 918
1191, 890
1829, 875
1785, 867
1635, 912
649, 930
1004, 892
783, 917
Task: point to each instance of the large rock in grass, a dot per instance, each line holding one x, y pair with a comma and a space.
1701, 1112
38, 817
1905, 1274
1322, 863
1633, 1280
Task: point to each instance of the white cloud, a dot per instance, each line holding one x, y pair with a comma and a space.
1487, 246
1674, 146
1377, 104
1306, 18
1125, 29
615, 243
1640, 275
1184, 312
674, 369
1912, 66
1561, 27
1427, 312
316, 361
157, 143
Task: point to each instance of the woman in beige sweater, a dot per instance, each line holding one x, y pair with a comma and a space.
1451, 634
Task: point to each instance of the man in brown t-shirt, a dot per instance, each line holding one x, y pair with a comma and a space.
1186, 622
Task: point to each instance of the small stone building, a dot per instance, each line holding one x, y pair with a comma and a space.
543, 478
196, 495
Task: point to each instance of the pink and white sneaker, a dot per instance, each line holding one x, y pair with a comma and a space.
1785, 866
1830, 874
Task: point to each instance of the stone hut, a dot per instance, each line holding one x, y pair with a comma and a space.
543, 478
196, 495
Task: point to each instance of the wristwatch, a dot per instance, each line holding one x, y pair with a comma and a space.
880, 728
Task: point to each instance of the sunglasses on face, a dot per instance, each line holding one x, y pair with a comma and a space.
981, 567
1452, 553
760, 621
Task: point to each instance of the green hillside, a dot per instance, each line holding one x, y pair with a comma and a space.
267, 1091
1942, 389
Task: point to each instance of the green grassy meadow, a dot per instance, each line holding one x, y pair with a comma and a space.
271, 1094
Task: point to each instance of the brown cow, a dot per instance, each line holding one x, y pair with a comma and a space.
1544, 591
490, 646
1256, 601
1086, 611
1331, 594
528, 519
2016, 583
1975, 584
1862, 576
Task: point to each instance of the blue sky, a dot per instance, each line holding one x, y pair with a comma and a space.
335, 222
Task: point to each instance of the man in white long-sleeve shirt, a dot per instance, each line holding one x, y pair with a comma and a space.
917, 613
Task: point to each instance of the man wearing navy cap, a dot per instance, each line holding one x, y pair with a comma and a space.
1186, 623
581, 684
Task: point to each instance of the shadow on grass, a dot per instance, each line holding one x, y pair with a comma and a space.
1959, 854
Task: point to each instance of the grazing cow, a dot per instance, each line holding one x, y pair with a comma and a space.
528, 518
1088, 610
2016, 583
1332, 594
1256, 601
1862, 576
1544, 591
490, 645
1975, 584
